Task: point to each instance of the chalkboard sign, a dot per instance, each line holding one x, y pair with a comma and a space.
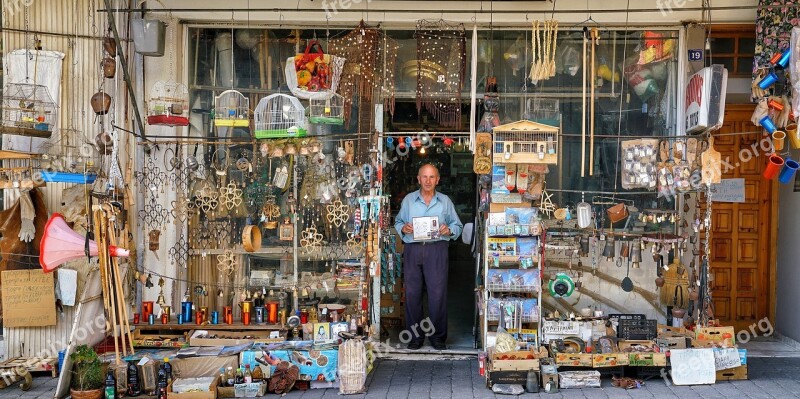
28, 298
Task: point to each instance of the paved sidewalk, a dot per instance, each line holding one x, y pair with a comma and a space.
459, 379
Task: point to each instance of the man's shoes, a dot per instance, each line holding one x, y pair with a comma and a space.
438, 345
414, 345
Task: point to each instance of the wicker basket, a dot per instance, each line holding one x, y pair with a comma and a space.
93, 394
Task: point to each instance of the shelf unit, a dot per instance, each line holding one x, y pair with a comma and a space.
494, 291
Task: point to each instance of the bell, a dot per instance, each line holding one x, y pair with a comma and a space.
109, 67
277, 152
624, 250
291, 149
100, 102
636, 256
584, 246
149, 282
161, 301
608, 250
104, 143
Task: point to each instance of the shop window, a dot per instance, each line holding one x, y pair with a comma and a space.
734, 47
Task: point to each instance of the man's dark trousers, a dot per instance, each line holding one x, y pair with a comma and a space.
426, 264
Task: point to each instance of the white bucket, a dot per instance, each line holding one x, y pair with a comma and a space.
148, 36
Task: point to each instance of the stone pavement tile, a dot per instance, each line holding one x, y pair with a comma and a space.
634, 393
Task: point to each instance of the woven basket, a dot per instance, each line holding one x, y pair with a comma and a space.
93, 394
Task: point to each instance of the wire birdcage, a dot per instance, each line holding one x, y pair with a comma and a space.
279, 115
231, 109
525, 142
329, 111
168, 104
28, 110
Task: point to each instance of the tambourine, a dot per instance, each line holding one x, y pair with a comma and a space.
251, 238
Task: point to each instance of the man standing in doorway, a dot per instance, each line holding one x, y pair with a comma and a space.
425, 260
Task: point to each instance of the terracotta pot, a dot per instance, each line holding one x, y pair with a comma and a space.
93, 394
110, 46
109, 67
101, 102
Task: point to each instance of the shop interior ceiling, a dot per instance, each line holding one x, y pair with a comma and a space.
505, 12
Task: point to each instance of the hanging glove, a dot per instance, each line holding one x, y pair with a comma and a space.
782, 119
27, 231
756, 91
761, 111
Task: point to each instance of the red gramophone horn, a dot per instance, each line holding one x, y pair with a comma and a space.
61, 244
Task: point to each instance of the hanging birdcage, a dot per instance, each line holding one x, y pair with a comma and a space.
279, 115
525, 142
168, 104
28, 110
66, 152
231, 109
329, 111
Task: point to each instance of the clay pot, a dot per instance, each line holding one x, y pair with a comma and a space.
109, 67
101, 102
104, 143
659, 281
110, 46
694, 295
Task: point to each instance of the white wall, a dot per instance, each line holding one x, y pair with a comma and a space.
787, 318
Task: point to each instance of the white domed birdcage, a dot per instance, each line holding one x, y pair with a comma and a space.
279, 115
231, 109
28, 110
168, 104
329, 111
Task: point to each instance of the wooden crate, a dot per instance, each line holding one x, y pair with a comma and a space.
734, 374
33, 365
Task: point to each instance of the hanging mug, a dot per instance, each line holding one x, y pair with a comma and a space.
788, 171
101, 102
794, 138
109, 66
778, 140
774, 166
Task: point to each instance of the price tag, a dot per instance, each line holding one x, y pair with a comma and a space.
695, 54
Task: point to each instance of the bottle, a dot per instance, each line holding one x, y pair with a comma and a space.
532, 382
161, 390
248, 376
230, 377
134, 387
239, 376
168, 370
111, 385
223, 380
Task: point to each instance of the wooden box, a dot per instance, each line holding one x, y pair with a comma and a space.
579, 379
716, 336
574, 359
243, 390
609, 360
633, 343
142, 340
734, 374
514, 361
647, 359
210, 394
507, 377
667, 343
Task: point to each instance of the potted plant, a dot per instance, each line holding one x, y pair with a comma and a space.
87, 374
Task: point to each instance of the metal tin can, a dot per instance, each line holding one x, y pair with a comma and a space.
180, 318
151, 319
164, 318
199, 317
259, 315
215, 317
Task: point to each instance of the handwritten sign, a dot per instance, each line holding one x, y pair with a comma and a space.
726, 358
561, 327
28, 298
693, 366
728, 190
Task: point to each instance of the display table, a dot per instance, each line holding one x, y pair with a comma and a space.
174, 326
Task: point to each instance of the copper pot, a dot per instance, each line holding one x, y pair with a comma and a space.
110, 46
109, 66
659, 281
101, 102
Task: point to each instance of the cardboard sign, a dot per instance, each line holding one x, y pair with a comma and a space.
561, 327
693, 366
726, 358
28, 298
728, 190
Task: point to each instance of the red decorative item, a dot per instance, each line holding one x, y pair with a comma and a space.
775, 104
246, 318
198, 316
447, 141
136, 319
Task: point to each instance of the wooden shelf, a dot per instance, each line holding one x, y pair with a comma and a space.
23, 131
8, 154
193, 326
22, 185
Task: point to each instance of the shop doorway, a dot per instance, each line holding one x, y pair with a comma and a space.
458, 182
743, 235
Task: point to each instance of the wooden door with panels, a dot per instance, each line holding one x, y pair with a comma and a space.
742, 234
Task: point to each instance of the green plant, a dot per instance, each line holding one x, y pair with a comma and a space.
87, 369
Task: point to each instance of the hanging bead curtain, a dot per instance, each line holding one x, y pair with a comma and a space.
441, 56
